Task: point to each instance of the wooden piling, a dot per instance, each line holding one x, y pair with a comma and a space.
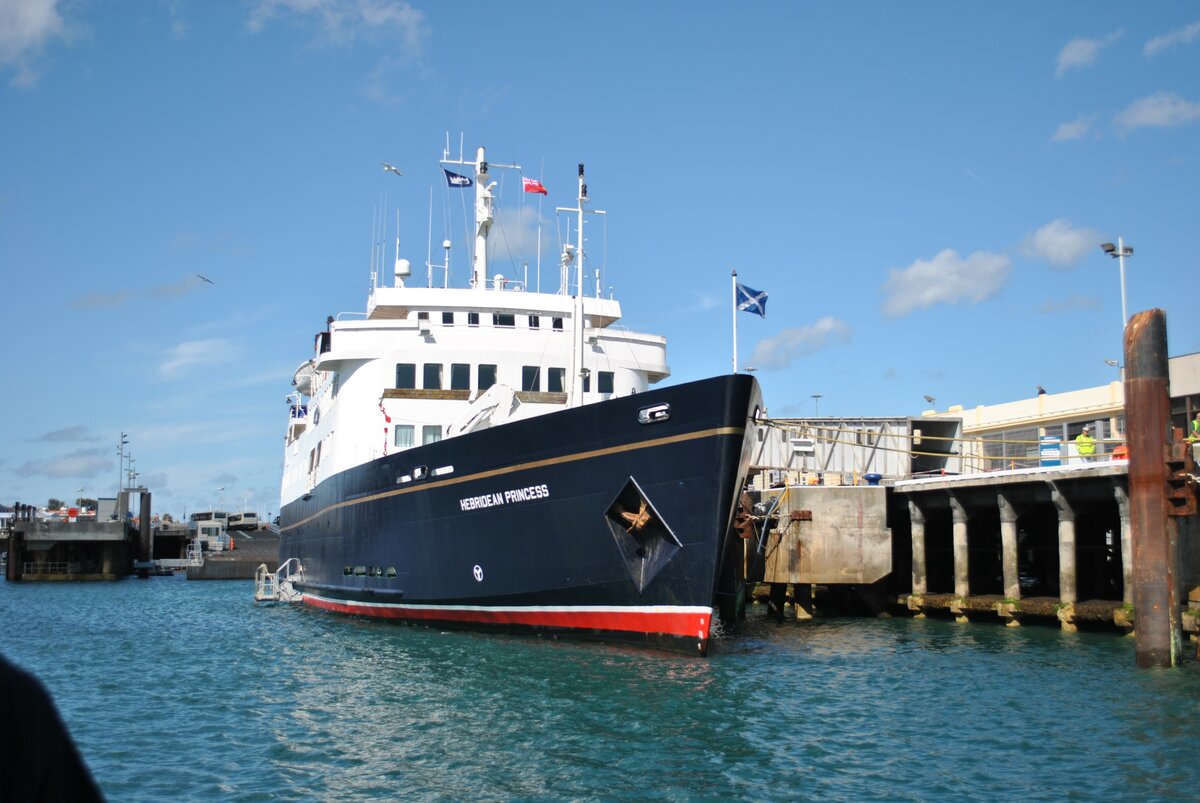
1158, 628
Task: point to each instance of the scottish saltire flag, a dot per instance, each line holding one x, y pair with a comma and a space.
751, 300
533, 185
455, 180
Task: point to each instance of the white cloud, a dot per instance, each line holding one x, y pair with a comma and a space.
1081, 52
1059, 243
122, 297
342, 21
1056, 306
791, 344
80, 464
26, 26
1163, 109
1181, 36
67, 435
195, 354
1076, 129
945, 279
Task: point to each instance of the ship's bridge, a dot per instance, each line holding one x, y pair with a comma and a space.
400, 302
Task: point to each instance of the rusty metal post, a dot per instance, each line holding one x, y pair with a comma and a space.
1157, 624
145, 535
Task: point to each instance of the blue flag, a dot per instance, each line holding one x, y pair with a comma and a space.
455, 180
750, 300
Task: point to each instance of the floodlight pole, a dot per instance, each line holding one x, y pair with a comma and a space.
1121, 262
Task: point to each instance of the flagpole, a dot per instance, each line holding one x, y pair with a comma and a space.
733, 290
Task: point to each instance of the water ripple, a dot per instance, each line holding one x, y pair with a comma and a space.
188, 691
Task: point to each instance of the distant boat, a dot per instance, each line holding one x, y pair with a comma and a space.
492, 457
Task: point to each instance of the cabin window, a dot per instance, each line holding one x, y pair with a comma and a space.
556, 324
460, 376
531, 378
472, 319
556, 379
360, 571
404, 436
504, 319
447, 319
487, 376
605, 382
534, 321
587, 381
433, 376
406, 375
391, 571
431, 433
422, 316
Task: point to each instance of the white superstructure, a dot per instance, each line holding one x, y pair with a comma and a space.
426, 363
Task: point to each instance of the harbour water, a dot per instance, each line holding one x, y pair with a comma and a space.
188, 691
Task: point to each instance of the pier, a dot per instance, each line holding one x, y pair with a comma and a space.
1004, 515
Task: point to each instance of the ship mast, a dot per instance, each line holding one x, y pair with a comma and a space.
484, 211
578, 370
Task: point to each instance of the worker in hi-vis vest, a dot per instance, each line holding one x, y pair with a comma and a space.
1085, 444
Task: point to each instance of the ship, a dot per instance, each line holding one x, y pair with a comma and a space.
493, 457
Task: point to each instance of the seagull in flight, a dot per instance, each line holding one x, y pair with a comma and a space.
204, 278
392, 168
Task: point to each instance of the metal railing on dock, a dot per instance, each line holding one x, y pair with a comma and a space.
278, 586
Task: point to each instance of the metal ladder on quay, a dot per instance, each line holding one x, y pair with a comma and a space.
278, 586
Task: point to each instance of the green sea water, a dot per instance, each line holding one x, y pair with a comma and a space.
177, 690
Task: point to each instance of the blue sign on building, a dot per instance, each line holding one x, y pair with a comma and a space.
1050, 450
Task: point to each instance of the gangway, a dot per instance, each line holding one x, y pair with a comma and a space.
278, 586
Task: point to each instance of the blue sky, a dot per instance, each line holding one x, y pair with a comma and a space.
921, 188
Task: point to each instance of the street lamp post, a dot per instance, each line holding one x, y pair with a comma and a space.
121, 461
1119, 252
816, 397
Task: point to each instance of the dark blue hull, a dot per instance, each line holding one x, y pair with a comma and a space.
585, 521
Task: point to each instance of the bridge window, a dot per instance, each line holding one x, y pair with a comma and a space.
556, 379
433, 376
472, 319
556, 324
504, 319
534, 321
460, 376
486, 376
531, 378
406, 375
447, 319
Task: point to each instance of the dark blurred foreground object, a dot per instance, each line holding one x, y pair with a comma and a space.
38, 760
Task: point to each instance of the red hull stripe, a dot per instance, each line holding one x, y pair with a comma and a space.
673, 620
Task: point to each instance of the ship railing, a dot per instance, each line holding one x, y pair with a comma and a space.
278, 586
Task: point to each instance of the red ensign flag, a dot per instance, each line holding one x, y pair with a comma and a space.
533, 185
